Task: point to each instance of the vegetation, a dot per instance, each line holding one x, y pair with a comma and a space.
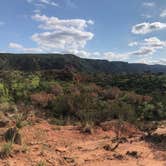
87, 98
87, 93
34, 62
67, 89
6, 150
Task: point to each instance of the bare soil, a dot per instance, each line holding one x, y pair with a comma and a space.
66, 145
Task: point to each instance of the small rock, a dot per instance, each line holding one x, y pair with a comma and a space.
133, 154
61, 150
69, 159
120, 140
118, 156
107, 147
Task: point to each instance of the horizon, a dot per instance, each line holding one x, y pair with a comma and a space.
130, 32
47, 54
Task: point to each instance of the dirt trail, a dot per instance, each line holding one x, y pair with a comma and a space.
65, 145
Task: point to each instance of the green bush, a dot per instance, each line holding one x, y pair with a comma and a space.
123, 111
6, 149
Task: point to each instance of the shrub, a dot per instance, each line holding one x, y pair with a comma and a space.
20, 120
123, 111
56, 89
6, 149
8, 107
4, 94
87, 128
148, 127
41, 99
112, 93
41, 163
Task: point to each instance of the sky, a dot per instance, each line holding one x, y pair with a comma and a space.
114, 30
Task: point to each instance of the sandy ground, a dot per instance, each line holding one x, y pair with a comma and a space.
65, 145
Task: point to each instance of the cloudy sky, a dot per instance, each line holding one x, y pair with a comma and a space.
116, 30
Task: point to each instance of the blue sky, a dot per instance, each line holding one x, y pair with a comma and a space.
125, 30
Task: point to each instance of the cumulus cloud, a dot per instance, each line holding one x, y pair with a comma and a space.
144, 28
62, 34
163, 13
143, 51
149, 46
149, 4
59, 35
21, 48
54, 23
71, 36
154, 42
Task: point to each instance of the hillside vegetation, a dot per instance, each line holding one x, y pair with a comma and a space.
33, 62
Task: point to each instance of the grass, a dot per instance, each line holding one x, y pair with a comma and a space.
87, 128
6, 149
41, 163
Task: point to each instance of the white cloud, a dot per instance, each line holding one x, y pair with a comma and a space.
15, 45
149, 4
44, 2
49, 2
144, 28
163, 13
62, 34
160, 61
149, 46
152, 61
71, 36
111, 56
131, 44
155, 43
85, 54
143, 51
146, 49
54, 23
21, 48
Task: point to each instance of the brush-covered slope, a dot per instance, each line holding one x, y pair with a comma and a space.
33, 62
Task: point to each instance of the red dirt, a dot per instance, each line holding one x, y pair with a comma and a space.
65, 145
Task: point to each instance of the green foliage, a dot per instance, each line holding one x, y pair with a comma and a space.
150, 111
33, 62
41, 163
4, 94
123, 111
101, 97
6, 149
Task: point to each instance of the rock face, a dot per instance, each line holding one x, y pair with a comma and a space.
13, 135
